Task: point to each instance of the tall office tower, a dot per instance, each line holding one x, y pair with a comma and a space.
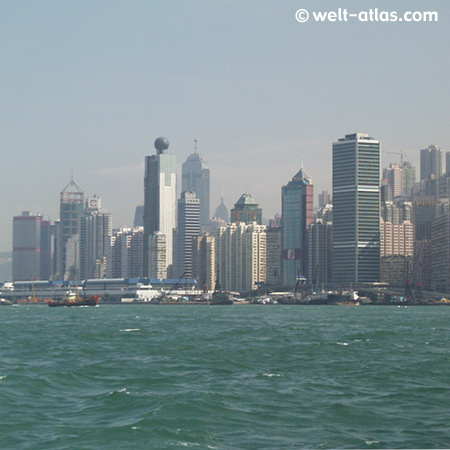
71, 209
430, 163
221, 211
204, 261
95, 236
160, 204
440, 250
324, 199
409, 178
241, 256
447, 163
273, 236
394, 176
28, 242
188, 228
320, 242
125, 254
246, 210
424, 210
297, 215
356, 209
46, 249
139, 216
195, 178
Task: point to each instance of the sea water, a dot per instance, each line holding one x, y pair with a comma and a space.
224, 377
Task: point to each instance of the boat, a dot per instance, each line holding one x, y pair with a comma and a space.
4, 302
71, 299
221, 298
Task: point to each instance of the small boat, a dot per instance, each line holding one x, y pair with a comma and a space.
5, 302
71, 299
221, 298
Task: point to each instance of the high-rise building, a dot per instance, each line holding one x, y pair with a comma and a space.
430, 163
409, 178
160, 205
221, 211
297, 215
273, 236
324, 199
157, 246
356, 209
188, 228
95, 236
139, 216
246, 210
195, 178
68, 228
31, 245
125, 254
440, 250
241, 256
320, 252
204, 261
394, 176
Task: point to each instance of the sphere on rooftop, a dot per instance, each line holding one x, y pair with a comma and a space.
161, 144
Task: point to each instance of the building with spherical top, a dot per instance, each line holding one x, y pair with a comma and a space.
160, 207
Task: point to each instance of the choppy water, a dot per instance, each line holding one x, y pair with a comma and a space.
224, 377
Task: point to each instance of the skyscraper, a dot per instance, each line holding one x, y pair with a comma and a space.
430, 163
31, 243
67, 229
188, 229
356, 209
125, 253
196, 178
246, 210
160, 205
95, 236
241, 256
297, 215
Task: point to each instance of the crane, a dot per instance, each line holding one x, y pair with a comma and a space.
402, 154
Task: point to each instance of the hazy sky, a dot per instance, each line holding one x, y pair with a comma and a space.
87, 86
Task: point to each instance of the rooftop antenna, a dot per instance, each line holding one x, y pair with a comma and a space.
195, 145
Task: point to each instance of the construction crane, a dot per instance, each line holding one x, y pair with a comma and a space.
402, 154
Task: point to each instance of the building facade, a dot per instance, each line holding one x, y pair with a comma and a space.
356, 209
160, 206
196, 178
95, 237
204, 261
188, 229
241, 256
67, 231
125, 253
31, 247
246, 210
297, 214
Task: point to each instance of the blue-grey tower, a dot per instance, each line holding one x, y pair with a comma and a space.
297, 214
196, 178
356, 209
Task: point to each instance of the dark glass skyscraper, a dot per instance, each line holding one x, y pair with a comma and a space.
356, 209
195, 178
297, 214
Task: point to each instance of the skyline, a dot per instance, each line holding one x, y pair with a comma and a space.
87, 90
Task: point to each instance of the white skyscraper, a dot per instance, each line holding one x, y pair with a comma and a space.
160, 202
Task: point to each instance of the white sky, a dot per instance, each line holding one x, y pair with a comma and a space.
87, 86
